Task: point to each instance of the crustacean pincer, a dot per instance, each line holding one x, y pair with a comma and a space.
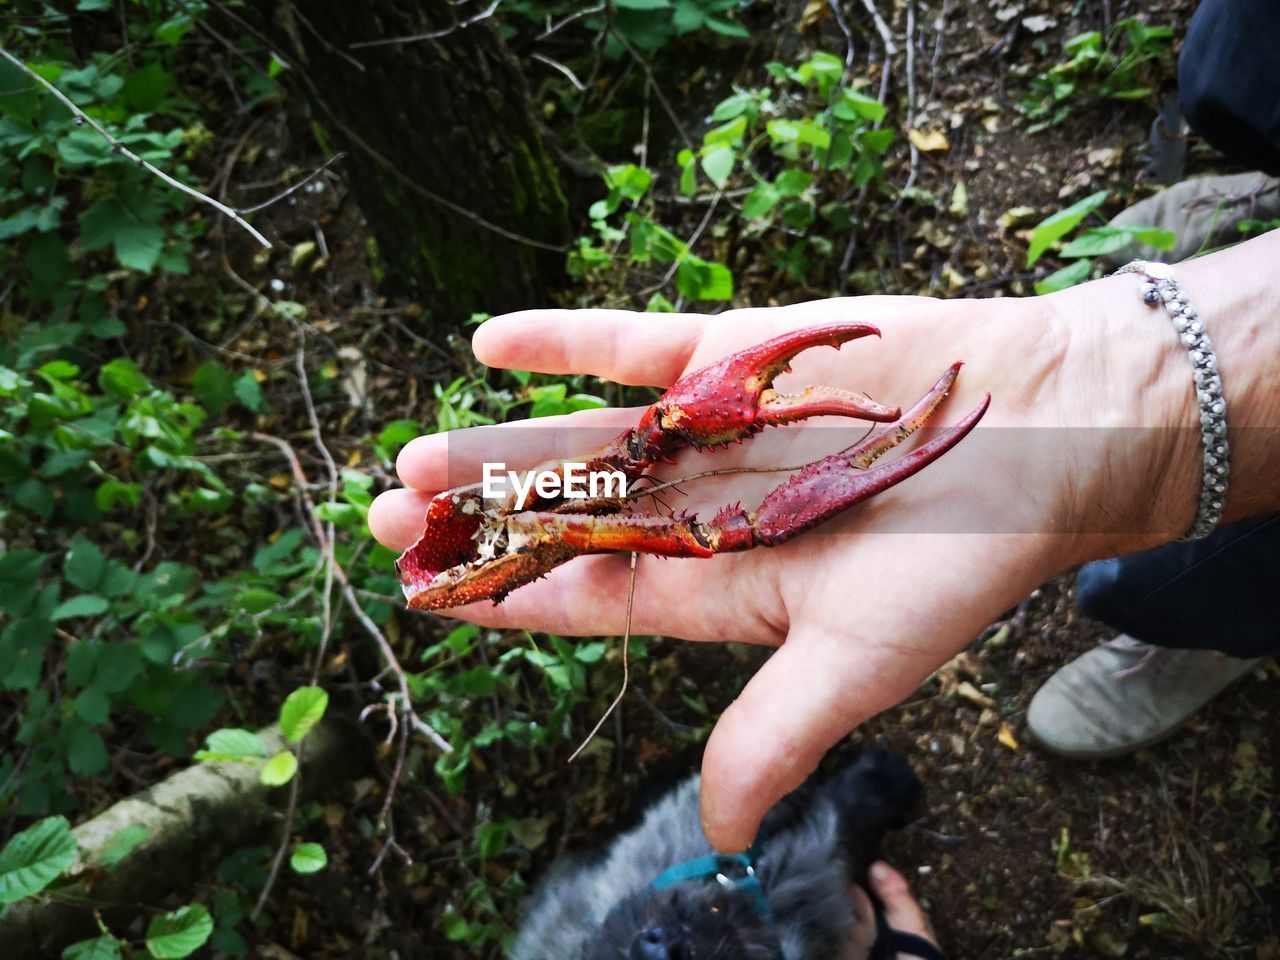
475, 547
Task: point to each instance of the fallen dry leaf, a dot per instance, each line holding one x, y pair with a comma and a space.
1006, 737
930, 141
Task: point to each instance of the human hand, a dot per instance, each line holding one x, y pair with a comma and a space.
902, 912
864, 608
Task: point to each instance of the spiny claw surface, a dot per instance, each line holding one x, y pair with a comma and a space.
476, 548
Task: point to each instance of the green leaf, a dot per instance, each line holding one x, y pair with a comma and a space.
232, 743
248, 392
92, 706
1068, 276
105, 947
279, 770
84, 605
84, 565
762, 198
629, 180
34, 858
308, 858
145, 88
853, 105
729, 134
717, 164
138, 245
121, 844
731, 107
122, 379
793, 182
799, 131
83, 147
179, 934
642, 4
301, 711
1099, 241
1052, 228
727, 28
87, 754
699, 279
396, 434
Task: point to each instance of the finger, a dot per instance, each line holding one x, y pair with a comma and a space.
864, 931
902, 911
619, 345
816, 688
719, 599
439, 461
657, 348
396, 518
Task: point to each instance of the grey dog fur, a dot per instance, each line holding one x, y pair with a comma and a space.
590, 908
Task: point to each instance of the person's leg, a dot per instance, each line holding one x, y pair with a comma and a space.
1227, 76
1194, 618
1227, 90
1221, 593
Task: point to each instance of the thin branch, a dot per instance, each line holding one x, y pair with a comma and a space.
626, 666
297, 186
882, 28
118, 147
295, 787
599, 8
433, 35
648, 72
557, 65
849, 46
911, 93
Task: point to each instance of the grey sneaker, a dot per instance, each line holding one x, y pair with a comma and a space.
1202, 213
1124, 695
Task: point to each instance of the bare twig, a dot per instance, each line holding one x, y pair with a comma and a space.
626, 666
297, 186
434, 34
291, 808
849, 46
911, 93
118, 147
648, 72
389, 658
557, 65
882, 28
598, 8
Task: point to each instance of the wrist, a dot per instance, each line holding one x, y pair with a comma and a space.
1127, 372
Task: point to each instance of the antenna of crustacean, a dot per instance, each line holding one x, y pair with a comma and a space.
631, 585
626, 665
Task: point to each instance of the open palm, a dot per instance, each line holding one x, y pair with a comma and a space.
863, 608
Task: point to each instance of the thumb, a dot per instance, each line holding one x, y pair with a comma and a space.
815, 689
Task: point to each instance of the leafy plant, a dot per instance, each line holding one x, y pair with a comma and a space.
646, 24
797, 154
1122, 65
1087, 244
32, 860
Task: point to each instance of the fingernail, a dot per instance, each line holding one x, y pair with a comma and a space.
881, 873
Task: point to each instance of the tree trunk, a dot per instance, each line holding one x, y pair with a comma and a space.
445, 156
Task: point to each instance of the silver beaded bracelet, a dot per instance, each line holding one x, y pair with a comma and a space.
1159, 286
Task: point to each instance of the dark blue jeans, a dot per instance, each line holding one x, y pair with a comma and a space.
1220, 593
1227, 77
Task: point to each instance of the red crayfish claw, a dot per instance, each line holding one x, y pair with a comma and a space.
475, 547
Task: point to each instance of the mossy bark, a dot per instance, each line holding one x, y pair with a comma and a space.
443, 147
193, 819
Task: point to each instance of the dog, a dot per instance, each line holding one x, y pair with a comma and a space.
659, 892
